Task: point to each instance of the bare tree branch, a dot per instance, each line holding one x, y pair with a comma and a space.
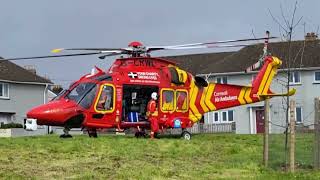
284, 18
297, 22
277, 21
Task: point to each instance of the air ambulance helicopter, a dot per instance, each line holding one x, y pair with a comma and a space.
118, 97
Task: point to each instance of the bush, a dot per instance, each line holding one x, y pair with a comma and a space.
10, 125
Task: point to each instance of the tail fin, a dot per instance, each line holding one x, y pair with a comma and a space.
262, 82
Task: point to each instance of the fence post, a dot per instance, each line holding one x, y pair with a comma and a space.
292, 136
266, 132
317, 133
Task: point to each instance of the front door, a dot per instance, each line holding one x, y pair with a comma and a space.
260, 121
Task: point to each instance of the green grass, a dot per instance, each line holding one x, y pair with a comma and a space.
216, 156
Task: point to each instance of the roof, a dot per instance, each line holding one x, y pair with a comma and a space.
12, 72
304, 54
194, 63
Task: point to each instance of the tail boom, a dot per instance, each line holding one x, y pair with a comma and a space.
220, 96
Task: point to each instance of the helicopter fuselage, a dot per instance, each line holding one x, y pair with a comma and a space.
117, 98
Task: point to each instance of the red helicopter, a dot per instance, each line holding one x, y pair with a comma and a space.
117, 98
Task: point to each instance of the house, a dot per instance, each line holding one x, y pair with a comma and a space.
229, 68
20, 90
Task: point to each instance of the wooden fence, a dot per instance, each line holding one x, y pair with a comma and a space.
207, 128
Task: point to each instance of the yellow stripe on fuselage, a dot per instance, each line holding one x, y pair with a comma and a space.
268, 83
247, 95
264, 79
209, 94
194, 114
202, 103
241, 96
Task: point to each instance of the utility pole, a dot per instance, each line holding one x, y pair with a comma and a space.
292, 136
266, 132
317, 133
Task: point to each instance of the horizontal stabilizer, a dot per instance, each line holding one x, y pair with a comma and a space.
290, 93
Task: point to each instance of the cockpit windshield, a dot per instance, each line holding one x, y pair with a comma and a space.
80, 91
59, 95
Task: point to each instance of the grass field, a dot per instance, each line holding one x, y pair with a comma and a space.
216, 156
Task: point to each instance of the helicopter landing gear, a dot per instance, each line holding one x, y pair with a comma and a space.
66, 133
92, 133
140, 133
186, 135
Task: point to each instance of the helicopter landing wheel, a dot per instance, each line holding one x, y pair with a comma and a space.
66, 133
92, 133
186, 135
139, 134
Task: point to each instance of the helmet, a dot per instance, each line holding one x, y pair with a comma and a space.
154, 95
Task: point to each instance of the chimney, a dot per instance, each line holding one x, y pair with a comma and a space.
31, 68
56, 88
311, 36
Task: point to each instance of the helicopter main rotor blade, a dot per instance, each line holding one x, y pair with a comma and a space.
111, 54
104, 50
153, 48
194, 47
51, 56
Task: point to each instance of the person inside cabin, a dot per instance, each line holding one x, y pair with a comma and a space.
105, 100
181, 101
152, 114
168, 102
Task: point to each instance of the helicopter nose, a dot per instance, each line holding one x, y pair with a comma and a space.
54, 113
43, 114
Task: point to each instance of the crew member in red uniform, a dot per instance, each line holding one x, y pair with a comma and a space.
152, 114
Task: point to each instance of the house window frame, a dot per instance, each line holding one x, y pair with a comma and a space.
3, 91
222, 79
227, 116
295, 114
315, 80
214, 118
293, 82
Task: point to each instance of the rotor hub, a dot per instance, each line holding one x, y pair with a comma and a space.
135, 44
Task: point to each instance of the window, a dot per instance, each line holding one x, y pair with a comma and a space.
182, 101
216, 117
317, 76
88, 98
222, 80
224, 116
105, 102
294, 77
299, 114
230, 115
227, 116
4, 90
167, 100
79, 91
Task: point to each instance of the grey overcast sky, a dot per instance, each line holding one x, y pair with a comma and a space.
34, 27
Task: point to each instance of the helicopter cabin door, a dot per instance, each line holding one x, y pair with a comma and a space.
104, 106
182, 102
174, 104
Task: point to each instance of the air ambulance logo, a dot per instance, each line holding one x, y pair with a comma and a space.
133, 75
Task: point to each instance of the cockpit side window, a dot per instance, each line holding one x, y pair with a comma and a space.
106, 99
88, 98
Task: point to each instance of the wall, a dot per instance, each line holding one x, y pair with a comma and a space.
22, 97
